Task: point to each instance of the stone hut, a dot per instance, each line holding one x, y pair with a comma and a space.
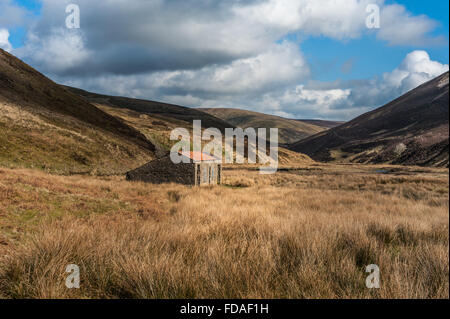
207, 171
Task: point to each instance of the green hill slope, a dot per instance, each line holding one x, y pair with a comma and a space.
44, 125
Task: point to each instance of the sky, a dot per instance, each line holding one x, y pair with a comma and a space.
293, 58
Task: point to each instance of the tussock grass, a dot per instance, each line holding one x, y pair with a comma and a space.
63, 145
296, 234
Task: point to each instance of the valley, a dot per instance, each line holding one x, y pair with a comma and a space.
373, 190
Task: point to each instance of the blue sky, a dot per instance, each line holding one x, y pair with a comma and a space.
305, 64
17, 34
369, 56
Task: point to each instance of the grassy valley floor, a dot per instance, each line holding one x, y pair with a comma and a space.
305, 232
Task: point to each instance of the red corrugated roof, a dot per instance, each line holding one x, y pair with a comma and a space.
199, 156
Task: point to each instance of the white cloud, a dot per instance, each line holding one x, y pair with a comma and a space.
276, 90
4, 40
364, 95
415, 69
224, 53
301, 102
282, 64
338, 19
400, 27
60, 52
134, 36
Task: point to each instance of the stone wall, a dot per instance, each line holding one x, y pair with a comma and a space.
163, 170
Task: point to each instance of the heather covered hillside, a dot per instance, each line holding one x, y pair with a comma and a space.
43, 125
411, 130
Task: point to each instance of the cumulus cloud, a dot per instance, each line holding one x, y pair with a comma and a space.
399, 27
228, 53
4, 40
415, 69
134, 36
364, 95
272, 91
137, 36
281, 65
64, 51
338, 19
303, 102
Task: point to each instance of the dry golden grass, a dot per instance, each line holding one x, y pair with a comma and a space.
305, 232
63, 145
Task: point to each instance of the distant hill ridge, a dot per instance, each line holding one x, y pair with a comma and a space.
289, 130
177, 112
323, 123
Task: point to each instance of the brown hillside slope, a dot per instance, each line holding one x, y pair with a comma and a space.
323, 123
411, 130
157, 129
156, 120
289, 130
170, 111
44, 125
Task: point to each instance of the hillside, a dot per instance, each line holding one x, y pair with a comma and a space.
169, 111
411, 130
44, 125
289, 131
156, 120
323, 123
157, 129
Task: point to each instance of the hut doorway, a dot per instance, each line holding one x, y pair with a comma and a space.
199, 174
